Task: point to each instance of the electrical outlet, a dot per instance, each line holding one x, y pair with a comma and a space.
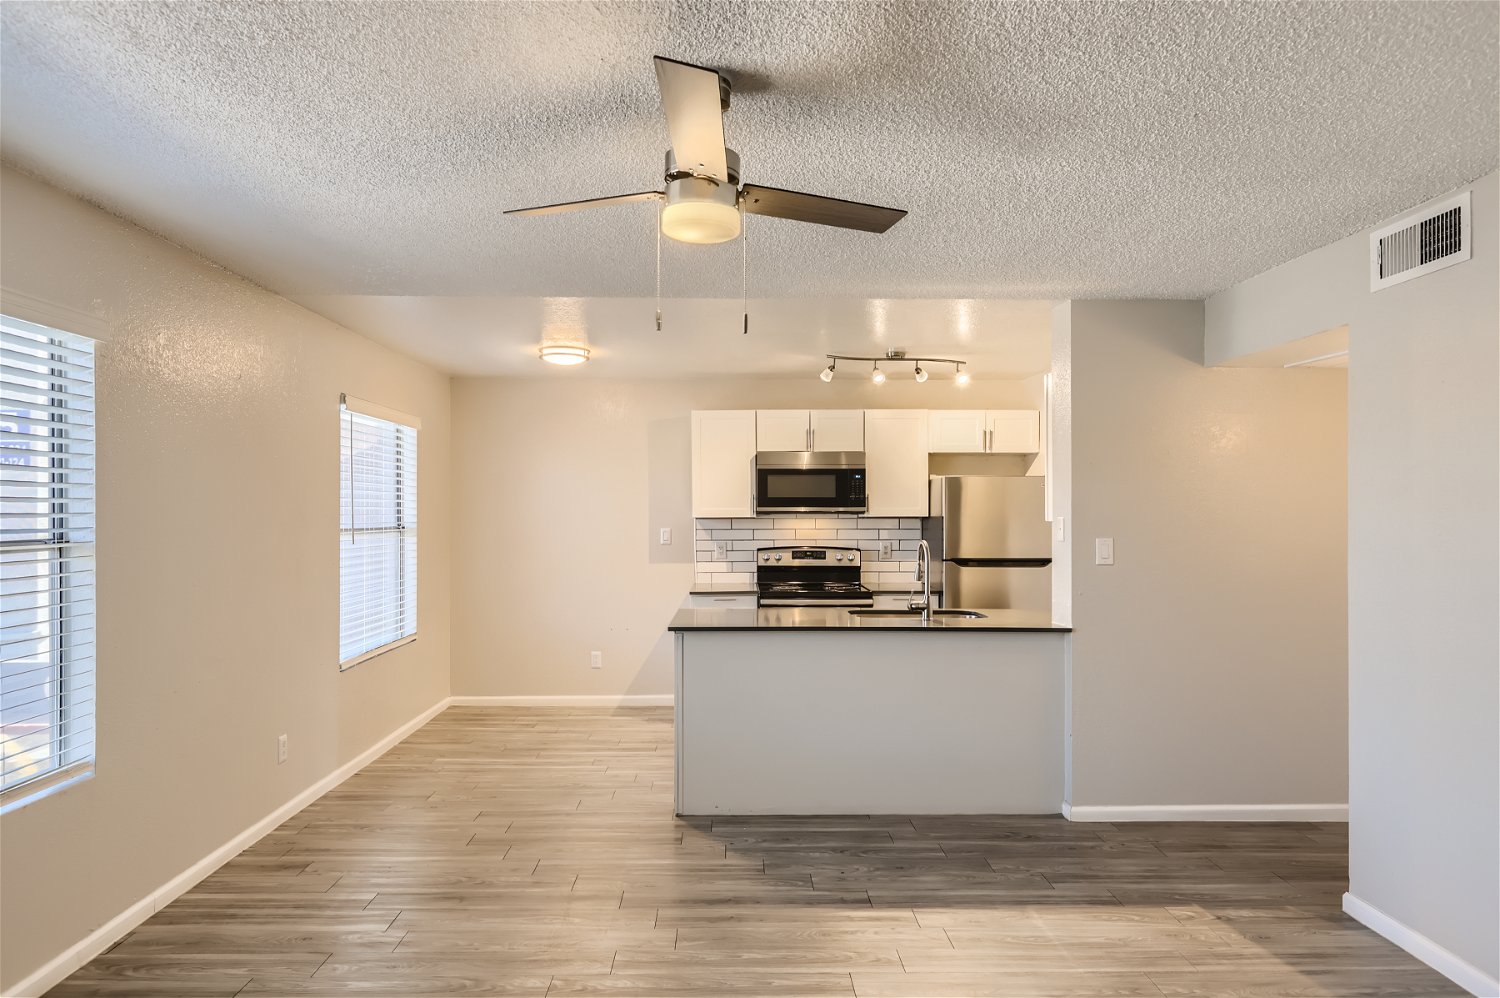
280, 749
885, 550
666, 535
596, 660
721, 551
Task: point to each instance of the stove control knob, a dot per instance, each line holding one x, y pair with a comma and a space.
838, 557
854, 557
765, 557
778, 557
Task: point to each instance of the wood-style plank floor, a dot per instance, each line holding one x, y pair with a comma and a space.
534, 852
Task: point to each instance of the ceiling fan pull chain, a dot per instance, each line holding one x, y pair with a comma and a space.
658, 266
745, 271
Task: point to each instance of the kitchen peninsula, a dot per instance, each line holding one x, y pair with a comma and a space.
824, 710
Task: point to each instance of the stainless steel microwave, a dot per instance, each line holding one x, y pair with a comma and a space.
810, 482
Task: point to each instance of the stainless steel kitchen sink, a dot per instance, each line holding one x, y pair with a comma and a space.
972, 614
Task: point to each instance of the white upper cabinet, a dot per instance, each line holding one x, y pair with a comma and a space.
980, 431
838, 429
783, 429
1015, 431
957, 431
724, 443
896, 461
804, 430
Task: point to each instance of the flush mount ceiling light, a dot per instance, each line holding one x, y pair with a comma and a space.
563, 354
877, 376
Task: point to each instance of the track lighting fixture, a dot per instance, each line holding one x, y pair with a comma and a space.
877, 376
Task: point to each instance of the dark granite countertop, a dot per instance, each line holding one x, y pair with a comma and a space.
748, 589
841, 619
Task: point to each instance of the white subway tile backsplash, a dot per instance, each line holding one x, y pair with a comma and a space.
742, 537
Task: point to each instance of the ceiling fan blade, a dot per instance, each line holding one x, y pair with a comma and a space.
815, 208
695, 117
553, 209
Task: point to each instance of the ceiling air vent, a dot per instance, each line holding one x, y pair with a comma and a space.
1428, 240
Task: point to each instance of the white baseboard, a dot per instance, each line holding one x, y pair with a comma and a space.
1206, 812
1444, 961
102, 938
627, 700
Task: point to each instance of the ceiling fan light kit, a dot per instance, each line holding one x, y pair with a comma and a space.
878, 377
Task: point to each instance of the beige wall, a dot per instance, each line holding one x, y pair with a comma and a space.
1424, 541
558, 497
1209, 661
217, 566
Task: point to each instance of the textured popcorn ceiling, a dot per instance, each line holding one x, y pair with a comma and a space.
1043, 150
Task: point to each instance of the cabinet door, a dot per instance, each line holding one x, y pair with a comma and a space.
782, 429
957, 431
724, 462
1015, 431
896, 461
838, 429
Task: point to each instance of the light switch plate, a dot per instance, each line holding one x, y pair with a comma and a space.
666, 535
1104, 550
1060, 528
596, 660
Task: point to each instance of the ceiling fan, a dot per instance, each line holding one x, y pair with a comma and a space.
703, 194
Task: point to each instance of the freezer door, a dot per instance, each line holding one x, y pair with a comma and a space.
967, 587
987, 517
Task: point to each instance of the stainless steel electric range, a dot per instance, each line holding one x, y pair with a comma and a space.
810, 576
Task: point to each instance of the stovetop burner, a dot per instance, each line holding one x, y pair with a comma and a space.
811, 576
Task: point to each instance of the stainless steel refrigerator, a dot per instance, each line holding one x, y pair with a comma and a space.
991, 545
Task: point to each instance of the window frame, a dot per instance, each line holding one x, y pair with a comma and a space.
70, 760
403, 466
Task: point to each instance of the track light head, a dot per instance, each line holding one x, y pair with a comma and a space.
827, 373
877, 375
921, 375
961, 378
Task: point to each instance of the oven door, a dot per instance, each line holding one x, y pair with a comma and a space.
797, 482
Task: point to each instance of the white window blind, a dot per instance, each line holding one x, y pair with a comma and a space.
377, 533
46, 556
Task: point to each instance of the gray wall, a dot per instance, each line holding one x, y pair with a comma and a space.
218, 455
1209, 660
1424, 534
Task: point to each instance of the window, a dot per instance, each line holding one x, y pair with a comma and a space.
377, 531
46, 558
